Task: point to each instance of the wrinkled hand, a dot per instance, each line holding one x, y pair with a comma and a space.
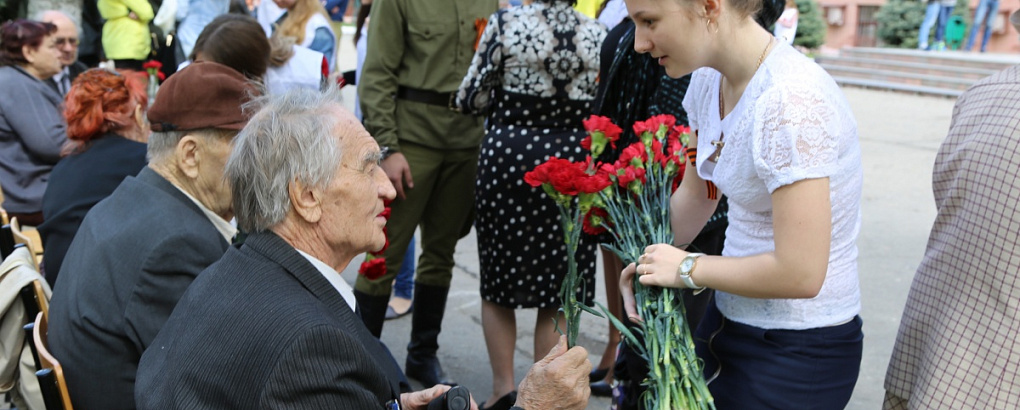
399, 173
656, 267
420, 400
557, 382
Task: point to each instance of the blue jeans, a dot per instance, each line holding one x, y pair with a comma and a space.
403, 287
931, 15
944, 13
985, 13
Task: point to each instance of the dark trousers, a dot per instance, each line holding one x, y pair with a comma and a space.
756, 368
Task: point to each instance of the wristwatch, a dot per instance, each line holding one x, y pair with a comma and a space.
686, 269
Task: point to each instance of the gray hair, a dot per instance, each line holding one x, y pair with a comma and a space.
289, 138
163, 143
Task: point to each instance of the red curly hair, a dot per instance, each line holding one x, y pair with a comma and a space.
100, 101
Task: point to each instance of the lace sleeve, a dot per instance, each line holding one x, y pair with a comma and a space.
694, 98
799, 134
475, 93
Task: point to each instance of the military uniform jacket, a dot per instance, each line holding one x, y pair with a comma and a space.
425, 45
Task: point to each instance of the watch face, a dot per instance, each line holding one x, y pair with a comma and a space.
686, 265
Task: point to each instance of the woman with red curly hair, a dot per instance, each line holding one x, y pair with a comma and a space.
31, 130
106, 135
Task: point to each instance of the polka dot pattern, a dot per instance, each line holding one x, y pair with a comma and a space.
520, 243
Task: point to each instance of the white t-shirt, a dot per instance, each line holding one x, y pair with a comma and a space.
792, 123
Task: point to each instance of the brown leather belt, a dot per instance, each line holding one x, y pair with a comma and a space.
424, 96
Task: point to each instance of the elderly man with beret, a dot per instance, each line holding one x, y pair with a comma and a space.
272, 324
138, 250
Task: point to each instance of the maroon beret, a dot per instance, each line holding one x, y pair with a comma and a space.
202, 95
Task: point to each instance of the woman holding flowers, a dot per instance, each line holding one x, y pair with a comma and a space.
773, 132
535, 72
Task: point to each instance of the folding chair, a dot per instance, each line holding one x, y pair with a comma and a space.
51, 377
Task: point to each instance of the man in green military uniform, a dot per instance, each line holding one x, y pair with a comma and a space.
418, 53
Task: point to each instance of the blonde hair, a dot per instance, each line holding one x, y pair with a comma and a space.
294, 24
281, 49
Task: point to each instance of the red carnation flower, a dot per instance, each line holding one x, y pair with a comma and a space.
595, 221
152, 64
591, 184
604, 124
373, 269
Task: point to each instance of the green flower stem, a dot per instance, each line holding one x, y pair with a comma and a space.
638, 219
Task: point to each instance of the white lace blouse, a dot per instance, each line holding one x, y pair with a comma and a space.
792, 123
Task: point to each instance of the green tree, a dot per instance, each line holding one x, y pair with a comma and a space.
899, 22
810, 25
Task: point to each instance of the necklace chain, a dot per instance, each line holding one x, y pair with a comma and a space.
719, 144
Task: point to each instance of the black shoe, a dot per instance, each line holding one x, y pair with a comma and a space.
427, 371
504, 403
597, 374
601, 389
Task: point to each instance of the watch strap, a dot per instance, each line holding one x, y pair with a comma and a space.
685, 277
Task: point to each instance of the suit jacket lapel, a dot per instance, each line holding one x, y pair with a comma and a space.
276, 249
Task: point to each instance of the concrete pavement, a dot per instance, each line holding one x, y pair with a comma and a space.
899, 136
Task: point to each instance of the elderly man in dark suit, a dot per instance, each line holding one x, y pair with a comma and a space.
67, 41
272, 324
138, 250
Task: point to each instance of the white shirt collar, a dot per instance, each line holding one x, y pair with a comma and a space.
226, 228
334, 279
59, 76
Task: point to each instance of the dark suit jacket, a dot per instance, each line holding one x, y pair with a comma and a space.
133, 257
263, 329
73, 71
78, 183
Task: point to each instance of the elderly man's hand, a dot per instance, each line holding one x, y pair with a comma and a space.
558, 381
420, 400
399, 172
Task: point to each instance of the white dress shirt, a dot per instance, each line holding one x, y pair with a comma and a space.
334, 279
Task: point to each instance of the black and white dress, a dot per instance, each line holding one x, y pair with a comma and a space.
534, 75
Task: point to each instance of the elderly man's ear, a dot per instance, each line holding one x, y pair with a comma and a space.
189, 155
305, 201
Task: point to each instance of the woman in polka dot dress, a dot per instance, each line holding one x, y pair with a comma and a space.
534, 75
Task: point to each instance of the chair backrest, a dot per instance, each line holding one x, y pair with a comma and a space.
30, 237
35, 300
3, 213
51, 377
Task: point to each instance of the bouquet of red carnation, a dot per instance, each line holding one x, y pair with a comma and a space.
575, 188
637, 205
630, 199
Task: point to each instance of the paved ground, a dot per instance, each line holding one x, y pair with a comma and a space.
899, 135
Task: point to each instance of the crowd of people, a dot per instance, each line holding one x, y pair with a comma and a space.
205, 223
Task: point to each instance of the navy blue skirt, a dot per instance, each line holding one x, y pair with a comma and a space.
753, 368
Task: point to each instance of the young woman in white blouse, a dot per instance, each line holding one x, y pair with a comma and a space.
775, 134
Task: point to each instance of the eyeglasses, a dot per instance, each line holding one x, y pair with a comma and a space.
73, 42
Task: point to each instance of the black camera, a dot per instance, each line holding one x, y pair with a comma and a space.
457, 398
